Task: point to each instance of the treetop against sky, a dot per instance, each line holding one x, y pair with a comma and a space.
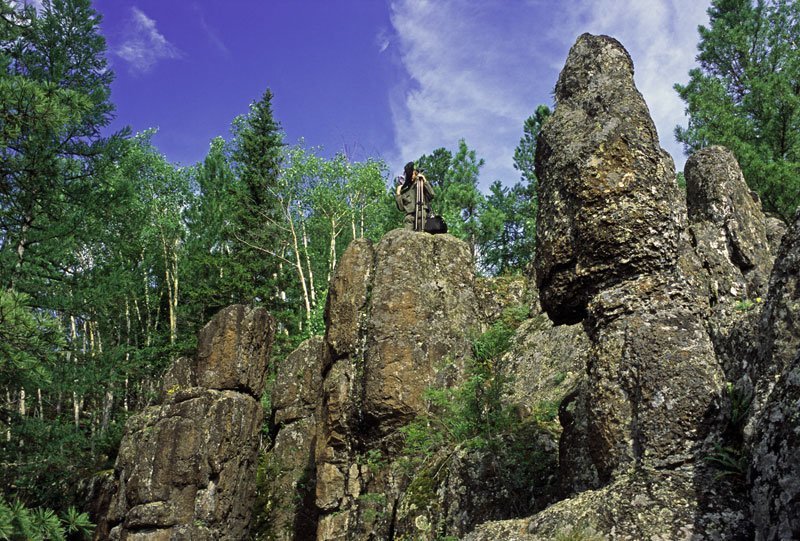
387, 78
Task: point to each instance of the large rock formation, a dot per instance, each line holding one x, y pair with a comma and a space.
610, 219
287, 472
399, 317
609, 207
668, 442
186, 468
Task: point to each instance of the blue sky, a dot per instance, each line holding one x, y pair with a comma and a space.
387, 78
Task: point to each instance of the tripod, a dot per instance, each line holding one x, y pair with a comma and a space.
420, 211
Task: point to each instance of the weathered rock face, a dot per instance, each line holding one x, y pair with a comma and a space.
609, 207
780, 324
545, 363
775, 459
288, 467
610, 222
775, 466
186, 468
398, 318
728, 229
401, 317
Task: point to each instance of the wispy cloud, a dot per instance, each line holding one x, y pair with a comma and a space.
382, 40
211, 33
145, 45
478, 71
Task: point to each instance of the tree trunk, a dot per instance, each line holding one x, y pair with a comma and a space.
299, 267
308, 268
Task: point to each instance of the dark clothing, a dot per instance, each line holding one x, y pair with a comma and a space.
406, 199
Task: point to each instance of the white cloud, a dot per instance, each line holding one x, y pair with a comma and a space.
478, 71
145, 45
212, 34
382, 40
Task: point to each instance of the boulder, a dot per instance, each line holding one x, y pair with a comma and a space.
186, 468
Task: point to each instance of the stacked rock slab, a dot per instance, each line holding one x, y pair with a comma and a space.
399, 318
186, 468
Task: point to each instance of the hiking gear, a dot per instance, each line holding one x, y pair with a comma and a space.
435, 225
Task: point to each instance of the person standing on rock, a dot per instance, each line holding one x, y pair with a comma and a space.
406, 197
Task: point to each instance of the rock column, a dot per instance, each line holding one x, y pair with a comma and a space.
610, 224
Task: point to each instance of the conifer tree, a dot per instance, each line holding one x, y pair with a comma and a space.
745, 95
255, 223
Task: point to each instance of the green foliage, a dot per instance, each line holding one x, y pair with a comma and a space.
739, 401
525, 153
18, 522
373, 506
745, 305
744, 95
729, 461
28, 338
54, 89
372, 459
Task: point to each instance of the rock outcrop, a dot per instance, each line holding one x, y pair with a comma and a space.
659, 444
652, 378
609, 207
775, 458
186, 468
287, 470
401, 318
610, 219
